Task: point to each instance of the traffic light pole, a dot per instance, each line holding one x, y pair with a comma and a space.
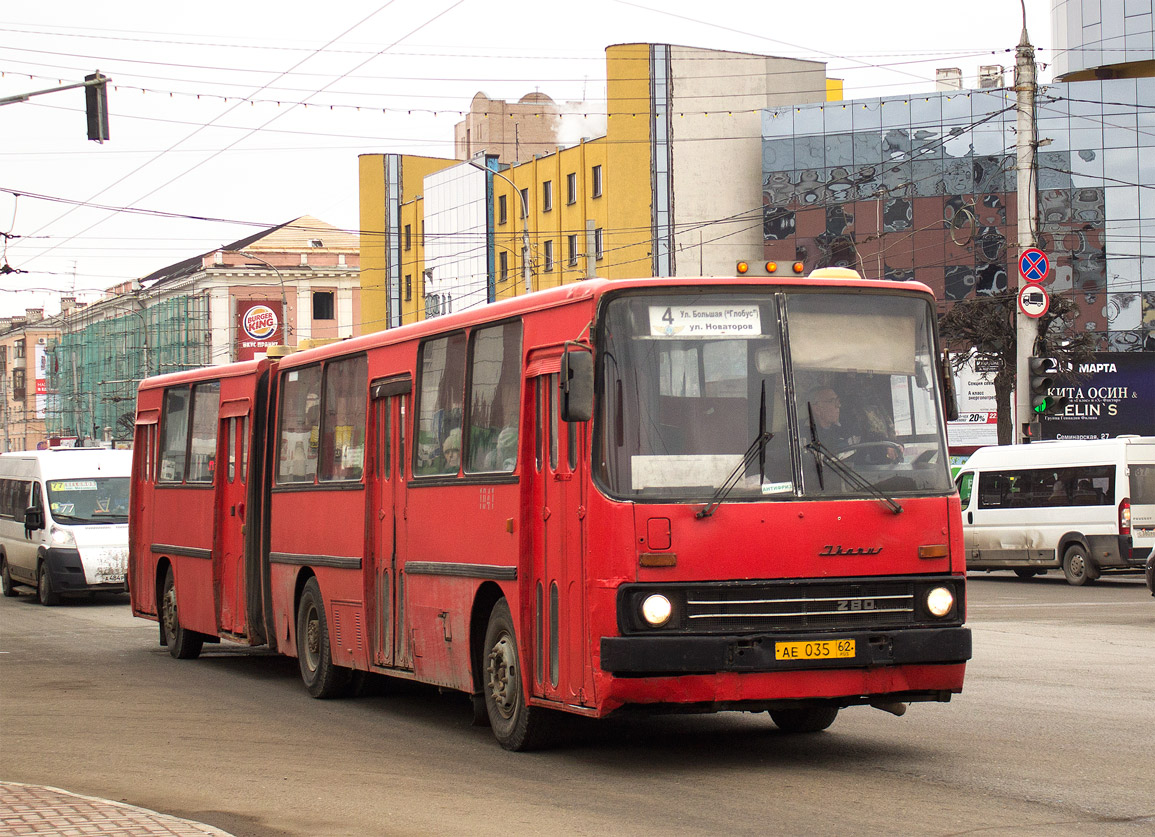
96, 103
1026, 329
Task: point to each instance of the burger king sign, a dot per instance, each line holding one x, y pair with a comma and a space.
259, 327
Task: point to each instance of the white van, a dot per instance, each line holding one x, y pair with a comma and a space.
64, 521
1085, 506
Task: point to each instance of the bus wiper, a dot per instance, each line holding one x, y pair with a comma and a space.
844, 470
755, 449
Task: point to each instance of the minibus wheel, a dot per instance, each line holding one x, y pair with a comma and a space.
44, 592
183, 644
322, 678
516, 725
6, 585
1077, 566
812, 719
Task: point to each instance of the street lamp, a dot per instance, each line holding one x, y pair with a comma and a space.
280, 278
525, 268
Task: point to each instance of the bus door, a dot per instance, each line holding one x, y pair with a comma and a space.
142, 496
386, 496
559, 621
231, 514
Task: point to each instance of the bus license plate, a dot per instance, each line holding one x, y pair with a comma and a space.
826, 649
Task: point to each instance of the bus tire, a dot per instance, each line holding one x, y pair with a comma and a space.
810, 719
183, 644
6, 585
1077, 566
44, 592
516, 725
322, 678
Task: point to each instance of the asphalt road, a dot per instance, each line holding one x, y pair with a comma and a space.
1051, 736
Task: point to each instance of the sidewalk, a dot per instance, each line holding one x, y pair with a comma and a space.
34, 809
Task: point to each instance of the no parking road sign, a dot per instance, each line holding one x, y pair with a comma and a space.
1033, 265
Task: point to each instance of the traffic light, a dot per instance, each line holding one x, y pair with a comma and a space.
96, 106
1042, 378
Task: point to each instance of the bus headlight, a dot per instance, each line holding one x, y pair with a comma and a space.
656, 610
939, 601
61, 537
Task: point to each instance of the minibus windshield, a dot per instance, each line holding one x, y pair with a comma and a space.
89, 500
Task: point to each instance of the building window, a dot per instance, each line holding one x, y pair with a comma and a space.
598, 251
571, 188
408, 237
524, 202
596, 177
18, 349
547, 196
323, 305
549, 255
19, 383
573, 250
502, 216
408, 287
503, 266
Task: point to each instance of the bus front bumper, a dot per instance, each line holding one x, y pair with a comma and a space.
678, 655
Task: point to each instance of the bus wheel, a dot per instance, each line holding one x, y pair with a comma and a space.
48, 597
813, 719
323, 679
183, 644
6, 584
1077, 566
516, 725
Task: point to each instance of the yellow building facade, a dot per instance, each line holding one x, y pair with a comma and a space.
657, 195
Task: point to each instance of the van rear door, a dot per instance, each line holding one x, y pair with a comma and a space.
1142, 494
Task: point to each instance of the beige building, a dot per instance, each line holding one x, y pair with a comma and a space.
24, 380
511, 131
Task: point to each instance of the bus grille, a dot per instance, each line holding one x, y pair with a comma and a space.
790, 607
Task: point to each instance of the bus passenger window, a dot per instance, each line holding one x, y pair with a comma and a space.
203, 439
343, 428
300, 425
439, 401
174, 437
494, 388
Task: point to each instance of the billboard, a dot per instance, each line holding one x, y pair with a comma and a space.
259, 325
1112, 395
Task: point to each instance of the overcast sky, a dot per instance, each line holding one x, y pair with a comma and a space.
250, 114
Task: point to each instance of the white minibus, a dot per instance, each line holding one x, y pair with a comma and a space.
64, 521
1086, 507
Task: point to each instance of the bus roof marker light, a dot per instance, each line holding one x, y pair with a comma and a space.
799, 267
771, 267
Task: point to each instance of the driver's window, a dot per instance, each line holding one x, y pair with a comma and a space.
965, 483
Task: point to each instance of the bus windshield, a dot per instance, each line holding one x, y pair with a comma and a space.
89, 500
690, 382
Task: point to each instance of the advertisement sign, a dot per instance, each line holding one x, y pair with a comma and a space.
1112, 395
41, 356
978, 421
259, 325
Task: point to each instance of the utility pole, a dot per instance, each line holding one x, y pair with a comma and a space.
1026, 329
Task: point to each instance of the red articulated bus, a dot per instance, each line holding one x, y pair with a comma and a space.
664, 494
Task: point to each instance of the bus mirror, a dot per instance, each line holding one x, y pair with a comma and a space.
950, 400
33, 518
577, 385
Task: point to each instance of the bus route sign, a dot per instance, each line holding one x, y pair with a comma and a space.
1034, 265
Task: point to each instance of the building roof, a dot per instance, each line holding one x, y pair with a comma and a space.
299, 234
